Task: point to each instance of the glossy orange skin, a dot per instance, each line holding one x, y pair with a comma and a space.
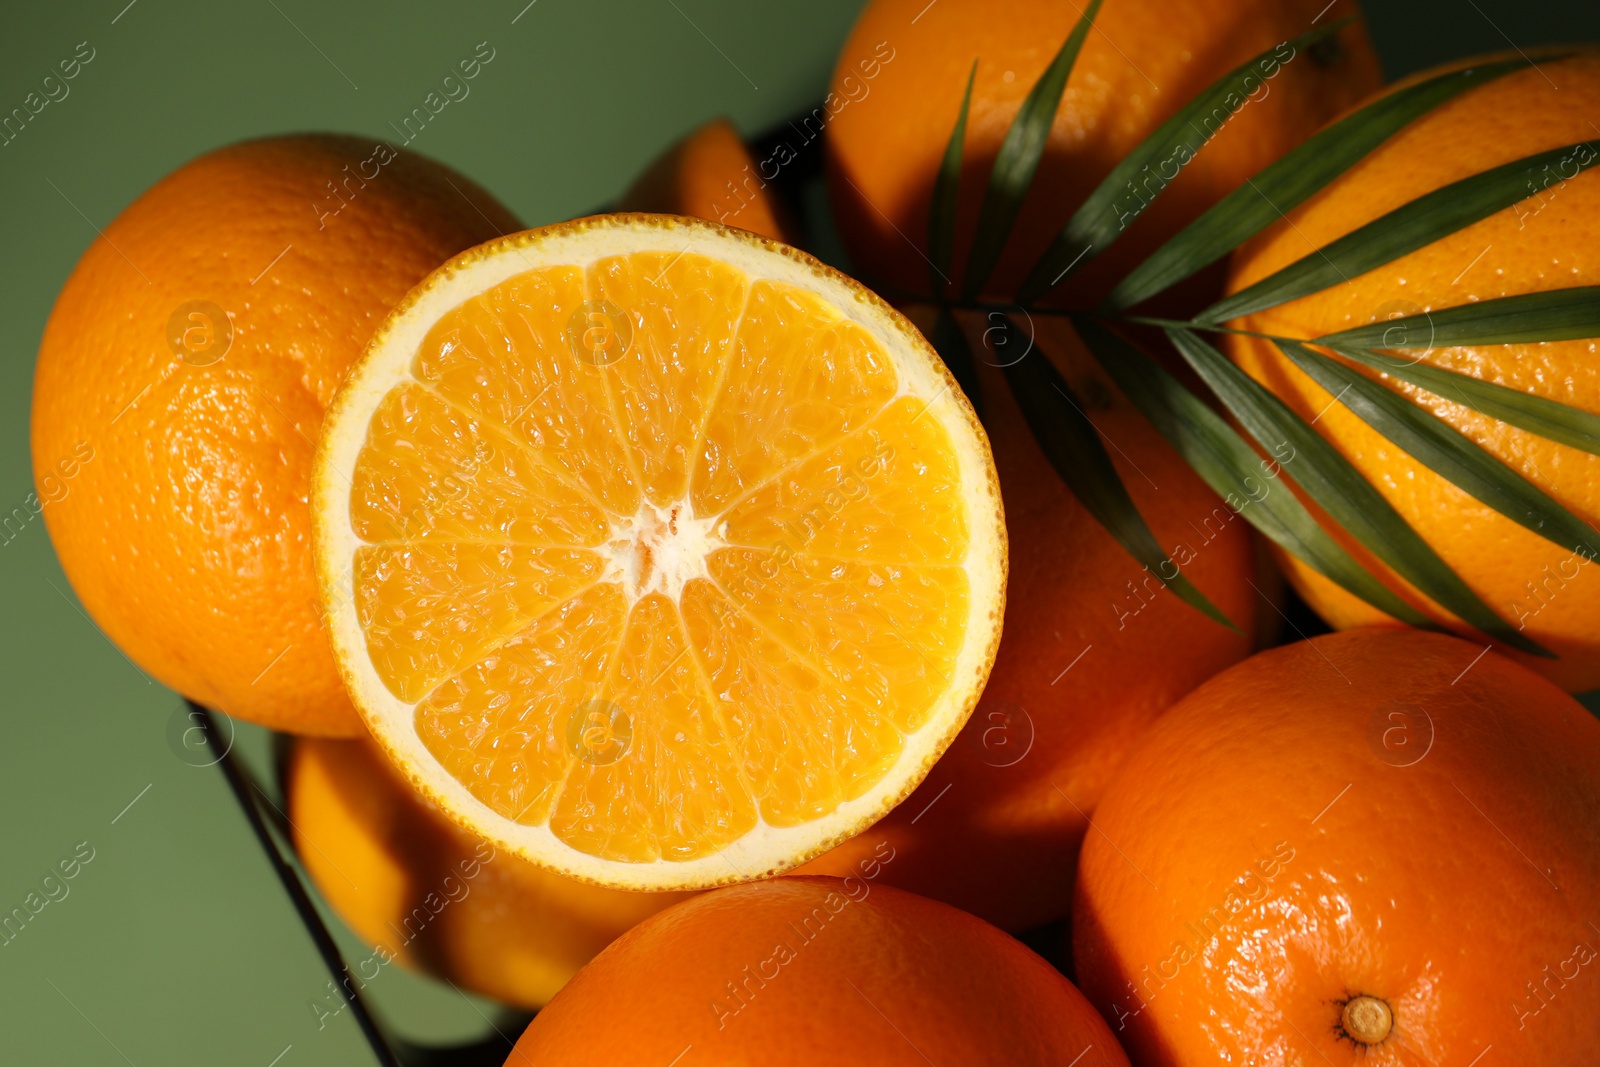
429, 895
900, 77
1374, 812
710, 174
186, 533
871, 975
1552, 240
1092, 653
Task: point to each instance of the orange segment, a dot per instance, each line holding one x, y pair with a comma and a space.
683, 309
430, 608
666, 572
801, 377
889, 492
490, 356
808, 744
500, 727
432, 470
660, 779
889, 634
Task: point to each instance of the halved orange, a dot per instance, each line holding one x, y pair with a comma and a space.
657, 552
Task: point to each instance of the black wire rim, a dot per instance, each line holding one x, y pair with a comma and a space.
243, 784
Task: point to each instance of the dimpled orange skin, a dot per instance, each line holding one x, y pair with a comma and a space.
802, 971
186, 535
710, 174
1295, 834
1552, 240
420, 889
1092, 653
898, 84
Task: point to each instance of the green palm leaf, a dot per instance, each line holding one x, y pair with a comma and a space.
1072, 443
1445, 450
951, 343
1100, 220
1335, 484
1548, 419
1290, 181
1405, 229
1226, 460
1018, 158
942, 208
1555, 315
1234, 470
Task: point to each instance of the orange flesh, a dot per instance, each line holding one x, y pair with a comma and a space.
654, 599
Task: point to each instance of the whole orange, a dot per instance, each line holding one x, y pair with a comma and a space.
426, 893
1092, 653
996, 826
897, 89
711, 174
1375, 847
817, 970
183, 375
1548, 241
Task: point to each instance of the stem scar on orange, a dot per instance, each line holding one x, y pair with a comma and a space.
1374, 847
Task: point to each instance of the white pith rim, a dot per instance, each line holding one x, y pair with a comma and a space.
386, 364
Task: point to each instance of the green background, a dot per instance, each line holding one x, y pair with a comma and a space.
175, 944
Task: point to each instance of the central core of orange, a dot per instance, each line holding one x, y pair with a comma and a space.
660, 549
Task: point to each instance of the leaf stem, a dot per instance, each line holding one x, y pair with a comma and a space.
1072, 313
1208, 327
